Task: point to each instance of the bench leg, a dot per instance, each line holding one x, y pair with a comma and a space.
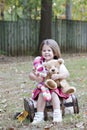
75, 104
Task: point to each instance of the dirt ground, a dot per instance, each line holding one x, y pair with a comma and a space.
15, 85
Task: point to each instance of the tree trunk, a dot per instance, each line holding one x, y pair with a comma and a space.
46, 19
2, 4
68, 9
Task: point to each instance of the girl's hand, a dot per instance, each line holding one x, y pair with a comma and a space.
39, 79
33, 77
55, 76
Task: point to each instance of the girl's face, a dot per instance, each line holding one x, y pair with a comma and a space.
47, 53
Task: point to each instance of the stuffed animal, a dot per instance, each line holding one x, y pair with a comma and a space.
52, 67
40, 70
38, 67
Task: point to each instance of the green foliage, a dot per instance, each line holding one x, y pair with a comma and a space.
22, 9
15, 9
79, 10
58, 8
3, 52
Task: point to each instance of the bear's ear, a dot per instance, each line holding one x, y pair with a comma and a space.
61, 61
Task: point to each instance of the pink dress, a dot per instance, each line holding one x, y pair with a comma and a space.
58, 91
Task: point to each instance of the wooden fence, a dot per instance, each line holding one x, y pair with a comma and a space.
21, 37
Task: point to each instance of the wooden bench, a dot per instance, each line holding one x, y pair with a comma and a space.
69, 105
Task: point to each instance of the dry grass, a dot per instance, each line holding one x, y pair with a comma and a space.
15, 85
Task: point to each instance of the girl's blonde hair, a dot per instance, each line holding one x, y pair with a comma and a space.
53, 45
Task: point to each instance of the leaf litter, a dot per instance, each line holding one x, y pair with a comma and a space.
15, 85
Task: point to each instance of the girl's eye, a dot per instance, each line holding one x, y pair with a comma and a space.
44, 50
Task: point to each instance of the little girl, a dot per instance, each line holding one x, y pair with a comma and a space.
49, 50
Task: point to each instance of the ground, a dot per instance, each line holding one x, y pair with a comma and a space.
15, 85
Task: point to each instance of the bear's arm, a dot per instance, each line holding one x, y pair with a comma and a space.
63, 72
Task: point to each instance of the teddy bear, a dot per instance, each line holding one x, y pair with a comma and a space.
39, 70
52, 67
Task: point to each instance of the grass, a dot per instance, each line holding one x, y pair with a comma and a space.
15, 85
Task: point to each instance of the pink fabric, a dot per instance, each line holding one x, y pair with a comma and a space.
58, 91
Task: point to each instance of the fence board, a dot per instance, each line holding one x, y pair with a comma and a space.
21, 37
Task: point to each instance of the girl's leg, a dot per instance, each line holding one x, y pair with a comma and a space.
39, 115
57, 115
55, 101
41, 103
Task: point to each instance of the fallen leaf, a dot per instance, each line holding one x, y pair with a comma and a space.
47, 127
85, 112
80, 125
4, 101
11, 128
22, 85
1, 110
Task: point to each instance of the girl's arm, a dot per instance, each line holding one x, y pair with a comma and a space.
32, 76
63, 73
